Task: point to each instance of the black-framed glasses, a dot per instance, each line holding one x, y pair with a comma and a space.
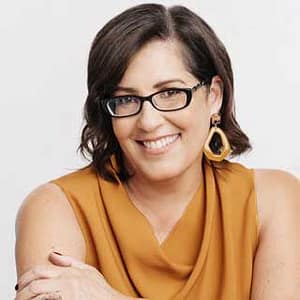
170, 99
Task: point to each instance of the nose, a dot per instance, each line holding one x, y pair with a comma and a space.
149, 118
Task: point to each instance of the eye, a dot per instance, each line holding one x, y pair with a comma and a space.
123, 100
169, 93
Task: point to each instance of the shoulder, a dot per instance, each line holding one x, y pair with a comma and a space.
276, 191
54, 193
44, 197
277, 261
276, 180
265, 177
40, 219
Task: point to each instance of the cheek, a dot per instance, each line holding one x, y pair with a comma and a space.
122, 129
119, 128
196, 119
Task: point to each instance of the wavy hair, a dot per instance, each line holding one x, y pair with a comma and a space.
114, 45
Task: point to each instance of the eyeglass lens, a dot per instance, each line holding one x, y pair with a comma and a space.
165, 100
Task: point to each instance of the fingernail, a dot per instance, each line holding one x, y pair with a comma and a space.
57, 253
16, 287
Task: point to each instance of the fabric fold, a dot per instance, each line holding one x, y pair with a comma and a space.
208, 255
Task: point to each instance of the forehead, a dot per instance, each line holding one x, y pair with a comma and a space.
156, 61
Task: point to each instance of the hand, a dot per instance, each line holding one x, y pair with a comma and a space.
67, 279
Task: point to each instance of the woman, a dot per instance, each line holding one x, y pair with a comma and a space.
160, 213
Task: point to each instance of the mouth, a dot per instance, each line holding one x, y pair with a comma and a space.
160, 144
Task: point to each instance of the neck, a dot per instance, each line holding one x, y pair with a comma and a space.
162, 196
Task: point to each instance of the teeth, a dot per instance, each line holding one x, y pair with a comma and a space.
163, 142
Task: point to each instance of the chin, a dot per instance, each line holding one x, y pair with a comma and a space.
164, 169
160, 177
162, 172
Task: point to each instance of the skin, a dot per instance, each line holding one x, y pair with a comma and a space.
277, 262
46, 210
162, 186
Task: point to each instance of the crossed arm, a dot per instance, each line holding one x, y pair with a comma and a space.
46, 212
46, 223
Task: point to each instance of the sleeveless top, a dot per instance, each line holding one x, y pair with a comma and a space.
208, 255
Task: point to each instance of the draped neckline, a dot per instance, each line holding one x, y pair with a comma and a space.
137, 241
197, 196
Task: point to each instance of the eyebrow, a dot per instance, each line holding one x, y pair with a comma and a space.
155, 86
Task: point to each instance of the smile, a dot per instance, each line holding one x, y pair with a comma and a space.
161, 142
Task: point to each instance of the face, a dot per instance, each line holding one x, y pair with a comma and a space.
157, 145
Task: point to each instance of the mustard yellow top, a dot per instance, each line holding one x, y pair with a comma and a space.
208, 255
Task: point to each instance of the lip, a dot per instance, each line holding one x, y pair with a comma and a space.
158, 151
153, 139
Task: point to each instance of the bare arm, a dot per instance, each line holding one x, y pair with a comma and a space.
45, 223
277, 263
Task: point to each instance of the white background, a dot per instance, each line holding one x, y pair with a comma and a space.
43, 56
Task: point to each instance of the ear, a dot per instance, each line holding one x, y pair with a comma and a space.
215, 94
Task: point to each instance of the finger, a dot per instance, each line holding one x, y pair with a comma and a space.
60, 259
37, 272
39, 287
67, 261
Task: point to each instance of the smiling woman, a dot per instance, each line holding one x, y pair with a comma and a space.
160, 212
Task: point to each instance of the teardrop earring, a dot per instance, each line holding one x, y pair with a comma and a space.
225, 148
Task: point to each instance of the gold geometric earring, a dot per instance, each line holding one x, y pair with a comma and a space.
225, 148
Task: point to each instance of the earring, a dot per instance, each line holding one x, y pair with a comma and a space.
224, 149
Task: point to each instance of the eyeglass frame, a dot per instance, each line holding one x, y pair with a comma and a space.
187, 91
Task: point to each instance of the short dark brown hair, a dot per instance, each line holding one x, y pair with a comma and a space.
114, 45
